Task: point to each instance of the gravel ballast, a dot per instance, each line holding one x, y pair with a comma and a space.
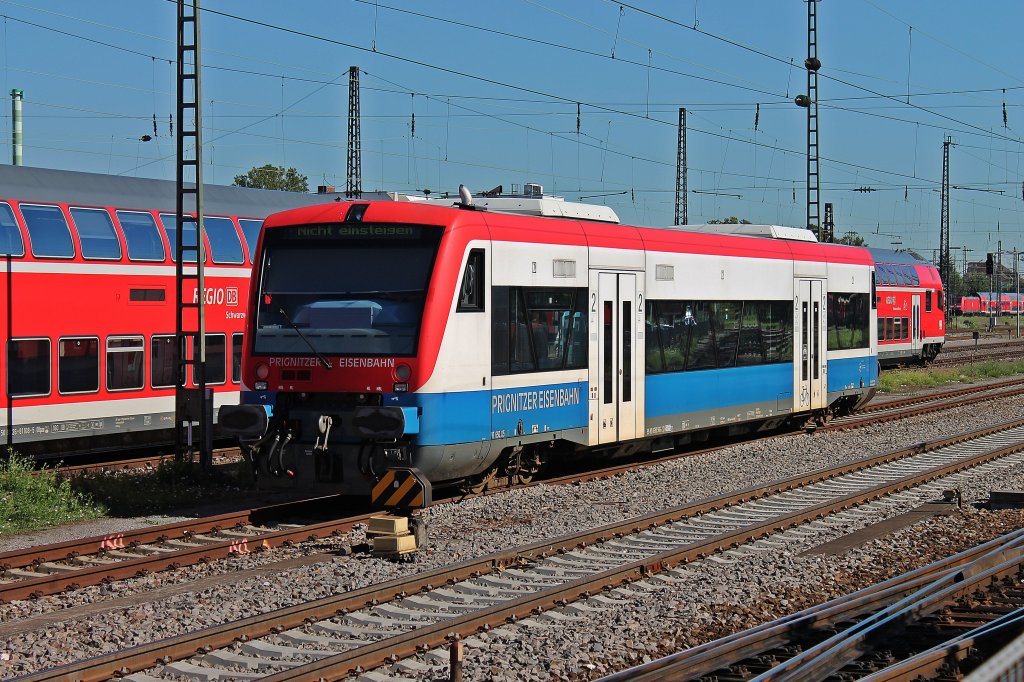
479, 526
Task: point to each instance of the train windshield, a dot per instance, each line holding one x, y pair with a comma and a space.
345, 294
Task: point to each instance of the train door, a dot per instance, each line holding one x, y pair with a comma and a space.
915, 325
613, 368
809, 326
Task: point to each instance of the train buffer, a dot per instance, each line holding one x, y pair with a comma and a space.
398, 532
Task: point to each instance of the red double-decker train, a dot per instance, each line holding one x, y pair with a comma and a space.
88, 311
911, 308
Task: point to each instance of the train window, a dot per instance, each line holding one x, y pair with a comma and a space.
700, 352
500, 333
141, 236
874, 291
777, 330
48, 231
216, 359
536, 329
897, 274
170, 225
941, 302
908, 274
10, 236
727, 331
849, 321
877, 276
78, 365
548, 313
928, 301
471, 293
880, 331
750, 350
224, 244
162, 372
897, 328
126, 363
236, 358
654, 360
672, 322
28, 367
520, 340
627, 352
906, 328
251, 232
915, 280
888, 329
609, 355
96, 234
574, 329
883, 274
758, 332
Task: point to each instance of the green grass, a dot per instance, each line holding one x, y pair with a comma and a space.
903, 379
29, 501
979, 322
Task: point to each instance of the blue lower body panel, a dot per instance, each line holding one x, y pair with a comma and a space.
682, 401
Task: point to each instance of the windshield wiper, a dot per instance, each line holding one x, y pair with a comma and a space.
302, 336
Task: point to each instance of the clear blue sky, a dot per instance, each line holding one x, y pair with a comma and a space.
495, 85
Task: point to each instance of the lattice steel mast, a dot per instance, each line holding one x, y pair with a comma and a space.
354, 164
945, 265
810, 101
681, 214
193, 406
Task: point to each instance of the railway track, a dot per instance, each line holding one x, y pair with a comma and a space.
404, 624
936, 622
51, 569
967, 357
933, 402
221, 457
39, 571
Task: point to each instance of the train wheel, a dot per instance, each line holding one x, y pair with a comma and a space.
480, 485
525, 464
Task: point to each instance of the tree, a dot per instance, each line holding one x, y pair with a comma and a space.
731, 220
852, 239
273, 177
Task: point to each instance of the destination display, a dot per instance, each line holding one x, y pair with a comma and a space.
345, 231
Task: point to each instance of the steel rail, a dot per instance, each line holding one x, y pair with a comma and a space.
829, 656
77, 576
70, 577
927, 664
706, 658
853, 422
375, 654
931, 397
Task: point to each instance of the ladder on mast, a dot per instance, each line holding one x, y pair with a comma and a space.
193, 413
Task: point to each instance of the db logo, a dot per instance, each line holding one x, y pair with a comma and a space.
232, 296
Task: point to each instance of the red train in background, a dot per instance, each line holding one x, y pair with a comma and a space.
984, 303
911, 308
87, 293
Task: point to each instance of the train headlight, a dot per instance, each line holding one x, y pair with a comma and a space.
403, 372
262, 372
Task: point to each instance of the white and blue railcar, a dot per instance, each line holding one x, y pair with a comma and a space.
465, 343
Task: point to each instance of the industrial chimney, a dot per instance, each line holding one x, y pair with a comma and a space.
16, 96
